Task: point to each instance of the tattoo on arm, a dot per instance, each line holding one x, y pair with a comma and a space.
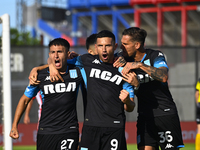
157, 73
121, 60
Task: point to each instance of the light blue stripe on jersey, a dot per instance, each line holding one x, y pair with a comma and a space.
84, 76
126, 86
160, 62
31, 91
180, 146
75, 61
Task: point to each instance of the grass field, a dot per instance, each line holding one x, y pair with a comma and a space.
130, 147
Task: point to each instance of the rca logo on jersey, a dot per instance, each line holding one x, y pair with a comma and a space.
60, 88
144, 78
105, 75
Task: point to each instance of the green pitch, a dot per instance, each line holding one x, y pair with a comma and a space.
187, 147
129, 146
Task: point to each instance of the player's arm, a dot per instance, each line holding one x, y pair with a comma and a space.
23, 102
129, 103
197, 92
119, 62
54, 73
196, 96
132, 79
30, 92
33, 74
26, 115
159, 71
127, 97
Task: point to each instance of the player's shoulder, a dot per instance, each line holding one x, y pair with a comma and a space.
73, 67
88, 56
43, 74
154, 52
44, 71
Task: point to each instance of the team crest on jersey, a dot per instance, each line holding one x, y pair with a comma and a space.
73, 73
147, 62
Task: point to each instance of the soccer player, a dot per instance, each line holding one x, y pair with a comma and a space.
58, 126
90, 44
107, 97
197, 98
158, 121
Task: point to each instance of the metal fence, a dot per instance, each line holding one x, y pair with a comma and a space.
183, 65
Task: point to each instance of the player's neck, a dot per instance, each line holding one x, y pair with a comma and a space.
139, 54
63, 70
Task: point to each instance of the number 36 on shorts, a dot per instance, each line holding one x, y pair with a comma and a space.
165, 136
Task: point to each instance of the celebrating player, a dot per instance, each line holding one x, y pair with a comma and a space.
158, 122
58, 126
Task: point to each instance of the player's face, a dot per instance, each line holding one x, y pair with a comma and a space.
58, 55
128, 46
92, 50
105, 49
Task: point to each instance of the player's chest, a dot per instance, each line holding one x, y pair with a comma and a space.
104, 73
69, 85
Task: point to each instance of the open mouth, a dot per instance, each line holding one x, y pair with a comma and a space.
57, 63
105, 56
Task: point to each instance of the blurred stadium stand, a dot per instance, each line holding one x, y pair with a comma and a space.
168, 22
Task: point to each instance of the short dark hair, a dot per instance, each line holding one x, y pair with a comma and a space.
91, 40
60, 41
136, 33
106, 33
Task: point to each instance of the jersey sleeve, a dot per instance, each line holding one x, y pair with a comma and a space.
31, 91
160, 62
76, 61
129, 88
126, 86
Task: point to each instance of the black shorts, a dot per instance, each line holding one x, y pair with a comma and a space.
198, 113
102, 138
58, 141
163, 131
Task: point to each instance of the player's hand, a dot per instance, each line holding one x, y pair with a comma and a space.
14, 133
124, 96
26, 119
33, 77
129, 66
54, 74
131, 78
72, 55
120, 62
